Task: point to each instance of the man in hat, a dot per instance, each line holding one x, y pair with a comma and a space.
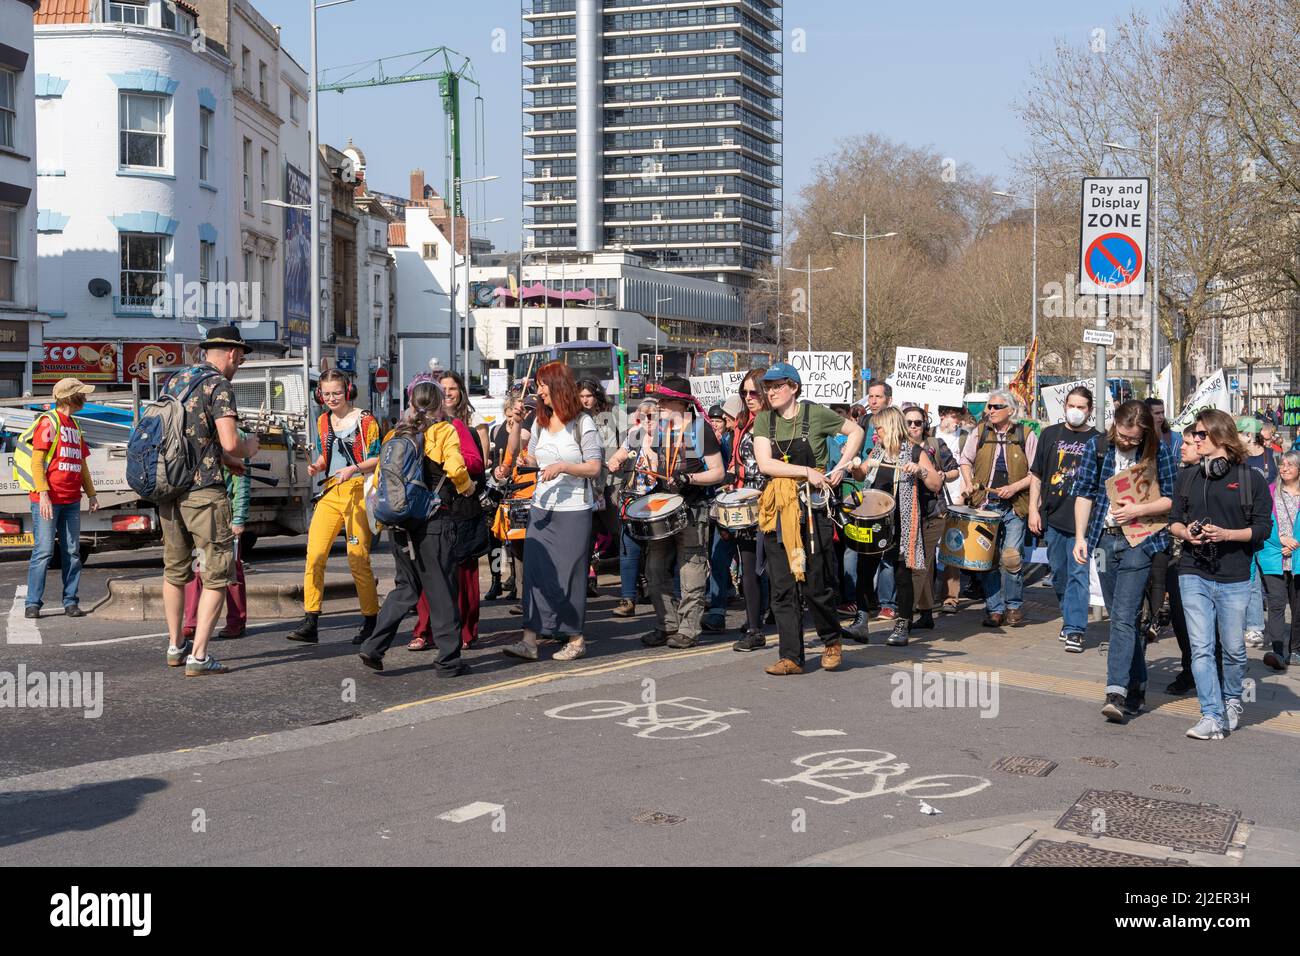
196, 526
60, 474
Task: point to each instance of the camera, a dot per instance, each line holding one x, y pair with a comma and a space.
1195, 528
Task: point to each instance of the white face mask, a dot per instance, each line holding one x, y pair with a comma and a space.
1075, 416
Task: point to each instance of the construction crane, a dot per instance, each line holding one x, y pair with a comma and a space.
422, 66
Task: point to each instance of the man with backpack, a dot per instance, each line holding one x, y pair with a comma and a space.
50, 462
196, 512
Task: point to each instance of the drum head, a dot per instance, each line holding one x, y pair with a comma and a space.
961, 511
741, 496
875, 504
654, 506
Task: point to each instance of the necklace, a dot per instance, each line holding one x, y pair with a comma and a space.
785, 450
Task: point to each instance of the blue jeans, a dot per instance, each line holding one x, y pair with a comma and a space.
1255, 609
66, 524
849, 579
720, 589
1123, 571
1006, 589
1206, 602
629, 565
885, 588
1069, 579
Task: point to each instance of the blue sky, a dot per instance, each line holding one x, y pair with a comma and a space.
941, 74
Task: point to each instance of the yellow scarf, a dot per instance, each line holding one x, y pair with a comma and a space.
780, 501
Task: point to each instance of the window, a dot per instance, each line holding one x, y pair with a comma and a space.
8, 108
266, 184
374, 291
205, 143
561, 333
600, 335
264, 292
248, 184
429, 251
144, 131
8, 252
207, 259
128, 12
613, 336
261, 82
144, 266
295, 109
246, 68
534, 337
581, 334
379, 242
512, 340
248, 266
185, 24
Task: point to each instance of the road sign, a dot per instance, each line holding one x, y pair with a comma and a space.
381, 380
1234, 384
1098, 337
1113, 236
866, 375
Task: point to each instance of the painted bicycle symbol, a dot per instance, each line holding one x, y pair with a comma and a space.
655, 719
879, 768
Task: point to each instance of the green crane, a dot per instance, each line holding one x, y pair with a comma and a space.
419, 67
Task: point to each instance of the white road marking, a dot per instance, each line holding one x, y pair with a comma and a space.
820, 733
20, 629
115, 640
468, 812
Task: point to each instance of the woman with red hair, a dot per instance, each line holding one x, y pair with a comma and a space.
566, 446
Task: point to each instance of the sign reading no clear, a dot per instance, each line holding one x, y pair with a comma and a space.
827, 376
1113, 236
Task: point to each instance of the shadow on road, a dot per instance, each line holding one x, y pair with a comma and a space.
44, 813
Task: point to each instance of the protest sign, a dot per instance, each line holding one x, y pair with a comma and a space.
731, 383
1053, 397
1212, 393
929, 377
827, 376
707, 389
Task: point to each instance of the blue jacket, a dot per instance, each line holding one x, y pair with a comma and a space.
1269, 557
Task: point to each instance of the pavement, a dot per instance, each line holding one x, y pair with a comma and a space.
632, 756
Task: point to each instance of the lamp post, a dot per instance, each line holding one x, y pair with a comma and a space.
809, 273
864, 239
456, 185
658, 302
1155, 258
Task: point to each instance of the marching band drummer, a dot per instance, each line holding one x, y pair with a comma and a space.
898, 465
684, 454
790, 444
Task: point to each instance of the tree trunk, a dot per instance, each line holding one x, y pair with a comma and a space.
1178, 375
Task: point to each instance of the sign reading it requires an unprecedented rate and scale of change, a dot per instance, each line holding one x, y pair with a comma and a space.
929, 378
1113, 236
827, 376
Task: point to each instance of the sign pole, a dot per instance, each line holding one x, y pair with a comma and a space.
1103, 389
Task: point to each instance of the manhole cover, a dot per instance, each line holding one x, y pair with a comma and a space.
1186, 827
657, 818
1047, 853
1169, 788
1099, 762
1025, 766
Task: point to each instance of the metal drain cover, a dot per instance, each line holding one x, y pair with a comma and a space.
657, 818
1025, 766
1048, 853
1099, 762
1186, 827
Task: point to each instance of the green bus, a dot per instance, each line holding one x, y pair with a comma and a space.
603, 361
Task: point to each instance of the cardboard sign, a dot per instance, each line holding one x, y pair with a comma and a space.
1136, 485
929, 377
827, 376
707, 389
1054, 396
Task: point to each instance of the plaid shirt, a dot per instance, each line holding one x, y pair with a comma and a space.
1091, 483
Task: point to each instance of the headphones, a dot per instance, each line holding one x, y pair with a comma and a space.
1215, 467
349, 393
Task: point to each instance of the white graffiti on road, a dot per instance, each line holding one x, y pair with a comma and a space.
655, 719
878, 767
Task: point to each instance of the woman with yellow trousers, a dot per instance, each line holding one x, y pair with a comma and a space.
347, 444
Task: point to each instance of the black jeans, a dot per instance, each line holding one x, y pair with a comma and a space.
753, 579
1281, 590
431, 573
904, 589
1157, 584
816, 590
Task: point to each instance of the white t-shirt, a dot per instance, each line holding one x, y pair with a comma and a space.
1123, 461
576, 443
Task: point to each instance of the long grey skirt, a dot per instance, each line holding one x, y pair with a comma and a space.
556, 561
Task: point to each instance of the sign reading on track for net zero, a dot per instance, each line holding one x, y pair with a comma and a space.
827, 376
1113, 236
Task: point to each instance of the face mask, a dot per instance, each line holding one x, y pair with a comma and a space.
1076, 416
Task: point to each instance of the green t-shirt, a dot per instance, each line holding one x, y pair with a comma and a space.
822, 423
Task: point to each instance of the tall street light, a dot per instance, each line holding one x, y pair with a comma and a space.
456, 185
314, 123
658, 302
1033, 298
1155, 258
864, 239
809, 273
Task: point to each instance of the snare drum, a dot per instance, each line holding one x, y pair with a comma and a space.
736, 510
517, 512
970, 538
870, 527
657, 516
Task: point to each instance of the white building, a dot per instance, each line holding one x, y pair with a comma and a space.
135, 126
376, 285
20, 324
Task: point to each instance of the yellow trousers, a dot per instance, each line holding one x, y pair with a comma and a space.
342, 507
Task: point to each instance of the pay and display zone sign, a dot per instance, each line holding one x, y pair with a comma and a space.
1113, 236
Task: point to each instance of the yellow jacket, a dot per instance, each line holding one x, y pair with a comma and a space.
442, 444
780, 502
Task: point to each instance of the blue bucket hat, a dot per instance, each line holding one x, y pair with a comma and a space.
783, 370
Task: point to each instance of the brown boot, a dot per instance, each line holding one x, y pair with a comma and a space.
1015, 617
832, 656
783, 667
625, 608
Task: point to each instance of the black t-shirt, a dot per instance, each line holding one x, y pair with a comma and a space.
1197, 497
1265, 463
697, 443
885, 479
1056, 464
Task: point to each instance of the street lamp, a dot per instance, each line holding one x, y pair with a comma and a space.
658, 302
314, 123
281, 204
809, 273
1033, 298
749, 331
1155, 258
864, 239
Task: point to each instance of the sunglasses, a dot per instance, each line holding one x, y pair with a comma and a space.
995, 408
1200, 436
750, 392
915, 423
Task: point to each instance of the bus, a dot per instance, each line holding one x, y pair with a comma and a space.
603, 361
717, 361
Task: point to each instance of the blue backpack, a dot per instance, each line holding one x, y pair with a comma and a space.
401, 495
160, 460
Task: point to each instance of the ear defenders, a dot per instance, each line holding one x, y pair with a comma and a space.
1215, 467
349, 393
